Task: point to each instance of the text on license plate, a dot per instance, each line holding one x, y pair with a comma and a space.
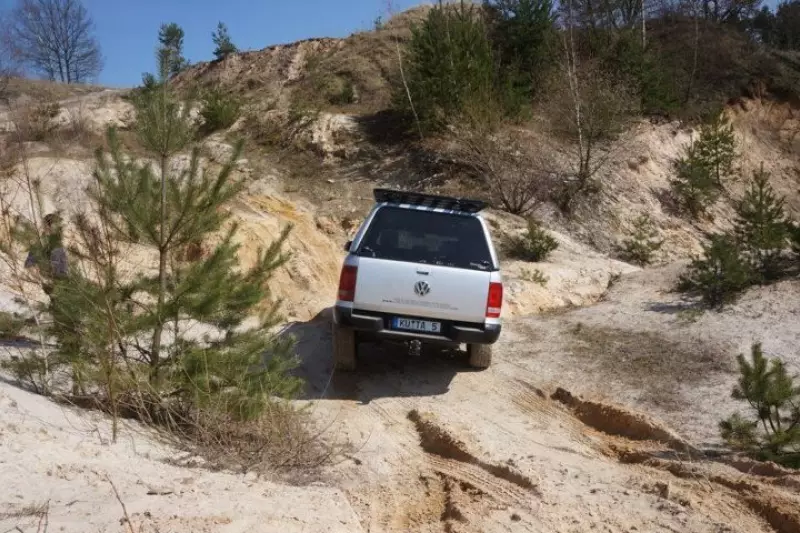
424, 326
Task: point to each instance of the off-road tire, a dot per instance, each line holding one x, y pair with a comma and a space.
480, 355
344, 348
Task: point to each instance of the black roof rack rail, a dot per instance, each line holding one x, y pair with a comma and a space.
429, 200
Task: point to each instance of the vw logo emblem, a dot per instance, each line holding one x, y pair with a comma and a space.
422, 288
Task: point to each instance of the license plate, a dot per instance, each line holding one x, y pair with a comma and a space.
424, 326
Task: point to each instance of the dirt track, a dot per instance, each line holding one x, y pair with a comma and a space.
444, 448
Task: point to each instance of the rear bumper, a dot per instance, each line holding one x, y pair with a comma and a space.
376, 325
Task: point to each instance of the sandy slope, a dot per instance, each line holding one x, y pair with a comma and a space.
62, 458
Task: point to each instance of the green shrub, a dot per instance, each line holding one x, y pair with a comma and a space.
219, 111
345, 95
535, 276
773, 433
534, 245
640, 247
11, 325
720, 275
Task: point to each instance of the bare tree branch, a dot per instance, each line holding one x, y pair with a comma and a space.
517, 177
125, 514
588, 107
54, 38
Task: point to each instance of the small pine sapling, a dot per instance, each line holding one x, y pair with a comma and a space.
219, 110
643, 243
761, 226
535, 245
222, 41
720, 275
716, 147
693, 183
774, 432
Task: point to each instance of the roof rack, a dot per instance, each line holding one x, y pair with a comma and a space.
429, 200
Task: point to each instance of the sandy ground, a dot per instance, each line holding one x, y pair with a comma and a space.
646, 346
436, 447
60, 459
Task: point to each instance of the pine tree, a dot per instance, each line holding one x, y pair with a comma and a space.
693, 183
219, 110
125, 337
771, 393
523, 31
450, 68
643, 243
171, 38
720, 275
716, 148
761, 226
171, 211
27, 234
164, 128
535, 245
223, 42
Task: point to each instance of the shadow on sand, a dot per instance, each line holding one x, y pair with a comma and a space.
384, 370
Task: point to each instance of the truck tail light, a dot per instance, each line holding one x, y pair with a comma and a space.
494, 302
347, 283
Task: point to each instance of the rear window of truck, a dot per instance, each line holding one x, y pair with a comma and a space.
427, 237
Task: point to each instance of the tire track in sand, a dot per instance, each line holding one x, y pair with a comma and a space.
447, 456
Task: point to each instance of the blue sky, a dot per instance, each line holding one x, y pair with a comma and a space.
128, 29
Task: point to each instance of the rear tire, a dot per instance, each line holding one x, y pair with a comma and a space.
344, 348
480, 355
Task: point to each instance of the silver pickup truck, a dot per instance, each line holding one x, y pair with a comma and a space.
421, 269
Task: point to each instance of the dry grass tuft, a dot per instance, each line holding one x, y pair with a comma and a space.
282, 440
646, 362
37, 512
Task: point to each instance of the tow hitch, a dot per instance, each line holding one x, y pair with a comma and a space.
414, 348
